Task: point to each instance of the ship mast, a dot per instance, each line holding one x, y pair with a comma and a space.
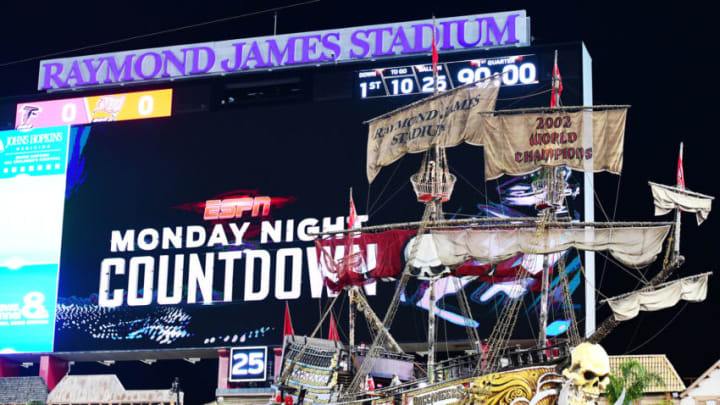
351, 300
680, 184
553, 188
548, 181
434, 177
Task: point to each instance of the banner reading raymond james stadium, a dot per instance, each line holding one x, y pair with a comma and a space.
448, 120
485, 31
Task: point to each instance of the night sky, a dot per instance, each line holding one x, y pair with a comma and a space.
656, 59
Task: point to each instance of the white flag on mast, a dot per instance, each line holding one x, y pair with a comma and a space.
668, 198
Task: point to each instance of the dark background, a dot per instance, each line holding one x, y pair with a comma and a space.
658, 59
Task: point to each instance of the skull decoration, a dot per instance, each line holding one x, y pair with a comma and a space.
426, 263
588, 374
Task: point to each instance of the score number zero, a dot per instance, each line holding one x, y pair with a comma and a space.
511, 74
248, 363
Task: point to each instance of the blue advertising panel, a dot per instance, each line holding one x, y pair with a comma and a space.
35, 152
27, 308
32, 186
248, 363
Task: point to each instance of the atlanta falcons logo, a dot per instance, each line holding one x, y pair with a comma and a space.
27, 112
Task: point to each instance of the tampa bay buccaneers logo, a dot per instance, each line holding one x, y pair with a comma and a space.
108, 108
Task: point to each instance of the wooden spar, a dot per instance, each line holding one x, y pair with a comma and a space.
525, 222
654, 287
681, 190
556, 109
511, 111
411, 224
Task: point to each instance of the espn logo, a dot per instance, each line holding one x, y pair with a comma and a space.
236, 207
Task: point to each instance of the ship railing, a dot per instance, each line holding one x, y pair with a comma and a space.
361, 351
311, 356
465, 367
511, 358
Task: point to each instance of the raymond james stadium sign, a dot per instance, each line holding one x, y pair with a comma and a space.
251, 54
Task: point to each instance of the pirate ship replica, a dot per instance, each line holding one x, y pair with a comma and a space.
574, 370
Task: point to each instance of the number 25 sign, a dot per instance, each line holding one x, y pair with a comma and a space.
248, 363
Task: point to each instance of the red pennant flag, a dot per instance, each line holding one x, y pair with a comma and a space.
557, 87
287, 327
333, 333
353, 221
434, 53
680, 171
369, 383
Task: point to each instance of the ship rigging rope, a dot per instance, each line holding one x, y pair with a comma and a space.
640, 279
467, 313
527, 312
568, 308
651, 338
502, 330
287, 370
463, 178
337, 319
372, 354
398, 190
382, 191
497, 189
607, 218
526, 96
370, 207
582, 270
617, 195
152, 34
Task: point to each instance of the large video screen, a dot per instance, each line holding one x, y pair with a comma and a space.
194, 230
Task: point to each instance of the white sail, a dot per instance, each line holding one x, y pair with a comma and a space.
692, 289
632, 246
668, 198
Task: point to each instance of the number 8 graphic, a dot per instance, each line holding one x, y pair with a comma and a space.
33, 308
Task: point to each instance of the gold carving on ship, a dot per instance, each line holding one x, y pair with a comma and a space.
539, 385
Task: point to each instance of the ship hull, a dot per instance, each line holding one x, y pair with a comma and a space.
539, 385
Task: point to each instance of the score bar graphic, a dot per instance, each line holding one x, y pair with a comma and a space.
85, 110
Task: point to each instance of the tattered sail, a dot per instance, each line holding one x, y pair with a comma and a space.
491, 253
517, 142
386, 253
632, 246
693, 289
668, 198
449, 118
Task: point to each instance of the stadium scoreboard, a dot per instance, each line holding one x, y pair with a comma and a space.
516, 70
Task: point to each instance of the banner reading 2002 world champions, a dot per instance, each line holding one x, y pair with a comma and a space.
590, 141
